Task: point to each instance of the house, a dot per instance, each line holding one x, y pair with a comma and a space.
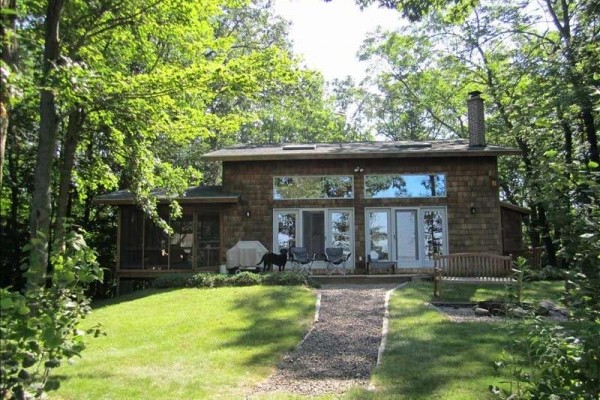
395, 201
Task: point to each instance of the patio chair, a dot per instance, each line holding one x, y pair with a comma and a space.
301, 261
336, 260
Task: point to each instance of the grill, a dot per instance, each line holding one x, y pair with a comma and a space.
245, 254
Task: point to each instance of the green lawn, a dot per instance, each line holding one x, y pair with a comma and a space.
188, 343
218, 343
429, 357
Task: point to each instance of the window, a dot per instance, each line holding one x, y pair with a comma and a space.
379, 231
286, 229
399, 186
313, 187
433, 233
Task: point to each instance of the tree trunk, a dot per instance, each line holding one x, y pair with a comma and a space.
8, 37
72, 136
41, 199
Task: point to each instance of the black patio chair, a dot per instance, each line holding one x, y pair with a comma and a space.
301, 261
336, 260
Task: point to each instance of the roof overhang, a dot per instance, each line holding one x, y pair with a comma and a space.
512, 207
193, 195
363, 150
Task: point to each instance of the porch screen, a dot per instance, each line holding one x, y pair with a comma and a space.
209, 239
379, 233
131, 238
182, 240
313, 187
156, 243
398, 186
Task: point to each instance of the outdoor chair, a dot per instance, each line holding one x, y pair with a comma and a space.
336, 260
301, 261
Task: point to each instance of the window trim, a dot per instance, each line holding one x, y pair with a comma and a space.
314, 176
367, 197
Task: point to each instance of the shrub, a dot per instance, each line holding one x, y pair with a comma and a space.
39, 328
290, 279
173, 281
207, 280
244, 279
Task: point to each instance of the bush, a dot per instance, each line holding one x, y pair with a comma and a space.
290, 279
210, 280
39, 328
244, 279
207, 280
173, 281
548, 273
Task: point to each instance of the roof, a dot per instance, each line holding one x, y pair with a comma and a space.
196, 194
403, 149
509, 206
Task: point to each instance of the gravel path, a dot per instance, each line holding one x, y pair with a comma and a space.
341, 349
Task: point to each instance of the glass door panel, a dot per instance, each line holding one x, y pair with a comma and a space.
340, 230
379, 232
313, 231
407, 239
434, 235
285, 230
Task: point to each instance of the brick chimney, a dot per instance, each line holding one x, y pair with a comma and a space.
476, 120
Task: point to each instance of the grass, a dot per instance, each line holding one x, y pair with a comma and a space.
429, 357
217, 343
532, 291
188, 343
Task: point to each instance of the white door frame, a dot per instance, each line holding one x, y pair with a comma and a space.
328, 231
392, 232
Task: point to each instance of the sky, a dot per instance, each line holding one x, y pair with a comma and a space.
329, 35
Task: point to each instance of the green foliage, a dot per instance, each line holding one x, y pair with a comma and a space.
547, 361
40, 328
173, 281
208, 280
290, 279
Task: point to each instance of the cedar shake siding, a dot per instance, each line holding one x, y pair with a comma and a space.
473, 208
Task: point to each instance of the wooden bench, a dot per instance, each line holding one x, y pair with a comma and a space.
472, 268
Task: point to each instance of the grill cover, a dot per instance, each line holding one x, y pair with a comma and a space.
245, 254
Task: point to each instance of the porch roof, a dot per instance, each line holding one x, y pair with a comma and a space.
520, 210
195, 194
398, 149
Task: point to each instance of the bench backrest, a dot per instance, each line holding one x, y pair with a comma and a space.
474, 265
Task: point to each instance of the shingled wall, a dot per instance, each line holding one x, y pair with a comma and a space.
470, 182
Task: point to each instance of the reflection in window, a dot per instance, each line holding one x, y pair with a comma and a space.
313, 187
394, 186
286, 230
433, 228
340, 230
378, 232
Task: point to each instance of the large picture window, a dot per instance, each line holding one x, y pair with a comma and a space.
399, 186
313, 187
